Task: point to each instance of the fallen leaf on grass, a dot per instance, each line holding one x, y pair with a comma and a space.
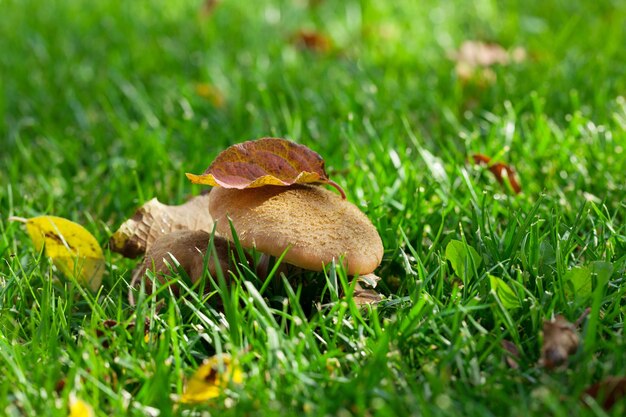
474, 58
70, 246
79, 408
560, 340
266, 161
505, 294
208, 7
370, 280
210, 93
185, 249
313, 41
500, 171
155, 219
512, 354
608, 391
365, 296
464, 259
210, 379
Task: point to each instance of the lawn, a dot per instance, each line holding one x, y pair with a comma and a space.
107, 104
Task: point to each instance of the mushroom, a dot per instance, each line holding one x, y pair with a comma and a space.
188, 248
316, 226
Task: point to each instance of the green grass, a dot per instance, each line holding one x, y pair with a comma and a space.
100, 113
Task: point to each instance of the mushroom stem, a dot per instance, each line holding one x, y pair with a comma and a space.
337, 187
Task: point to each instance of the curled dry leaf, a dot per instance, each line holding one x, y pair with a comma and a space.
500, 171
560, 340
186, 248
371, 280
70, 246
512, 354
155, 219
211, 378
474, 59
365, 296
608, 391
266, 161
313, 41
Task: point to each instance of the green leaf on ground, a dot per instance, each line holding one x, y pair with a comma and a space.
464, 259
505, 294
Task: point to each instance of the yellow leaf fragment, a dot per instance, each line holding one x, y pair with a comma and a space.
79, 408
211, 378
70, 246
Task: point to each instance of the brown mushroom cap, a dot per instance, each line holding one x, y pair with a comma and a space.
315, 224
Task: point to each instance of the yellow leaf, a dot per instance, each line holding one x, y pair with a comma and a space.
79, 408
70, 246
210, 379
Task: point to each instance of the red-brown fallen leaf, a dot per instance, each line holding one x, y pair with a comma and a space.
608, 391
500, 171
266, 161
208, 7
313, 41
512, 354
560, 340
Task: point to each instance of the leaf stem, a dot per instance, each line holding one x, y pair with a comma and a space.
18, 219
337, 187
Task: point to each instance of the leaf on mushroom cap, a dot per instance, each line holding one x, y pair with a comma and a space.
155, 219
313, 224
266, 161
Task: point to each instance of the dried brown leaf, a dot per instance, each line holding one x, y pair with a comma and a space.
371, 279
480, 54
474, 58
365, 296
500, 171
313, 41
608, 391
560, 340
266, 161
512, 354
155, 219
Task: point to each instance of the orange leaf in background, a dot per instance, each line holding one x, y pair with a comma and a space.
210, 379
208, 7
500, 171
313, 41
608, 391
210, 93
266, 161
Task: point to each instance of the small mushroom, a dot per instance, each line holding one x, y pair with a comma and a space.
189, 248
313, 223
